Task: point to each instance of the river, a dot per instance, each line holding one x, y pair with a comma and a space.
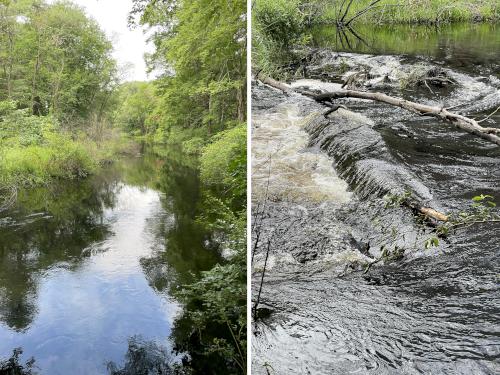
434, 311
90, 270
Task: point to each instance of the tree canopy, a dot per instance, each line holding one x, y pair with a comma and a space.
201, 54
55, 52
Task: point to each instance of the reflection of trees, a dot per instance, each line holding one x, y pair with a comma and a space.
460, 45
182, 249
13, 365
182, 252
47, 226
144, 358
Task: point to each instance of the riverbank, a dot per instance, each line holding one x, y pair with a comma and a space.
430, 12
282, 28
36, 151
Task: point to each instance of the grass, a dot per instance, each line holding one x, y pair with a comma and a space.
281, 25
419, 11
35, 151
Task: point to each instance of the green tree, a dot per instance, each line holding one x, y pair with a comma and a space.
201, 50
136, 112
55, 52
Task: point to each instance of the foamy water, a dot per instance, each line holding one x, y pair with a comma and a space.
282, 165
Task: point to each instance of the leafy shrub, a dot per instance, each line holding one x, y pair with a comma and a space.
193, 146
281, 25
218, 300
35, 150
279, 20
223, 161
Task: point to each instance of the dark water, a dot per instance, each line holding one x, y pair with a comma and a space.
89, 271
435, 311
471, 46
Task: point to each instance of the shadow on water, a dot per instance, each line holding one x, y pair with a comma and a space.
91, 271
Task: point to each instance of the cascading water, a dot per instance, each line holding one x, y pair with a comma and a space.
434, 311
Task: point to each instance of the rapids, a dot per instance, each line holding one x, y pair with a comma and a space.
435, 311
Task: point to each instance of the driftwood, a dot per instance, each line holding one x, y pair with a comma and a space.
467, 124
464, 123
430, 212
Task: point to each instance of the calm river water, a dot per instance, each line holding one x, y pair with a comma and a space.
89, 270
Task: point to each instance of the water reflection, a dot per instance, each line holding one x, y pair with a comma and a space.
459, 45
144, 358
86, 267
47, 226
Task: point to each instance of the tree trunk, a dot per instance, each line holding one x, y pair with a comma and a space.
35, 71
57, 86
9, 71
240, 96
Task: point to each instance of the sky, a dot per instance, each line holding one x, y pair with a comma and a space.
129, 45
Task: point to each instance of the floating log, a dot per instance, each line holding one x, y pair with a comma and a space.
430, 212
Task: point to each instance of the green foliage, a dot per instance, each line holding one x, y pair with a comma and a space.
57, 53
281, 27
200, 105
415, 12
193, 146
278, 27
220, 297
281, 21
201, 47
397, 200
482, 210
33, 151
135, 112
431, 242
223, 162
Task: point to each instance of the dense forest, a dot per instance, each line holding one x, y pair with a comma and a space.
65, 114
57, 82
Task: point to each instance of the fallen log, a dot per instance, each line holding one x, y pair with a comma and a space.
464, 123
327, 99
273, 83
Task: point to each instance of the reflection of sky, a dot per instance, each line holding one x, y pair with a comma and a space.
85, 317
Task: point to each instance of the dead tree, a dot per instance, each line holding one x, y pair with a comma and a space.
342, 20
